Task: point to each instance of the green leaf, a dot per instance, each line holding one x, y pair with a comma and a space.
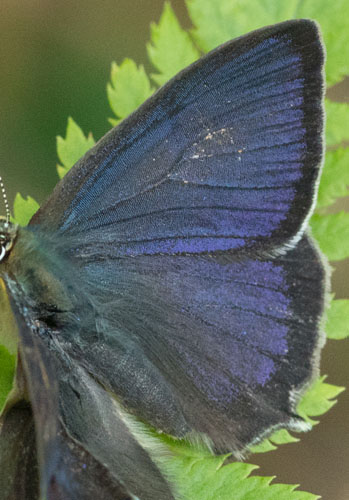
337, 120
210, 478
318, 399
171, 48
217, 21
263, 447
8, 325
8, 345
24, 209
332, 233
334, 181
73, 147
128, 89
337, 326
281, 436
7, 372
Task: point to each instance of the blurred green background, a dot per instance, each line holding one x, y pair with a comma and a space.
55, 61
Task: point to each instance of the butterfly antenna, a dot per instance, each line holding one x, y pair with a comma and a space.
4, 197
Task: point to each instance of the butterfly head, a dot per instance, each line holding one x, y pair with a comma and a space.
8, 232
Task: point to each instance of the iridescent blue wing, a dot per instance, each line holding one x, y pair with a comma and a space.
225, 156
170, 235
209, 344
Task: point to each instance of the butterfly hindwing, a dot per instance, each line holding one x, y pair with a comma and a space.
93, 417
224, 346
84, 448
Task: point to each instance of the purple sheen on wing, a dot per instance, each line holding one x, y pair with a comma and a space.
245, 307
219, 157
246, 367
192, 245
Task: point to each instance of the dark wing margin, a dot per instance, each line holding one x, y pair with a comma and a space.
225, 156
227, 346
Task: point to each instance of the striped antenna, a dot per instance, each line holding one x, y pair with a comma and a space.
4, 196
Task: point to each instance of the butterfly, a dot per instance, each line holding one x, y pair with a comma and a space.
170, 278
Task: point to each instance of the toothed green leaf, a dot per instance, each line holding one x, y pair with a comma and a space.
7, 371
263, 447
332, 233
73, 147
8, 345
210, 477
282, 436
337, 120
279, 437
319, 398
24, 209
217, 21
171, 48
129, 87
334, 182
337, 326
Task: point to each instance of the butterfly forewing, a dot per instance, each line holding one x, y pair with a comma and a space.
225, 156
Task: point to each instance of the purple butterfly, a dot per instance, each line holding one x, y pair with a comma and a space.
170, 278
